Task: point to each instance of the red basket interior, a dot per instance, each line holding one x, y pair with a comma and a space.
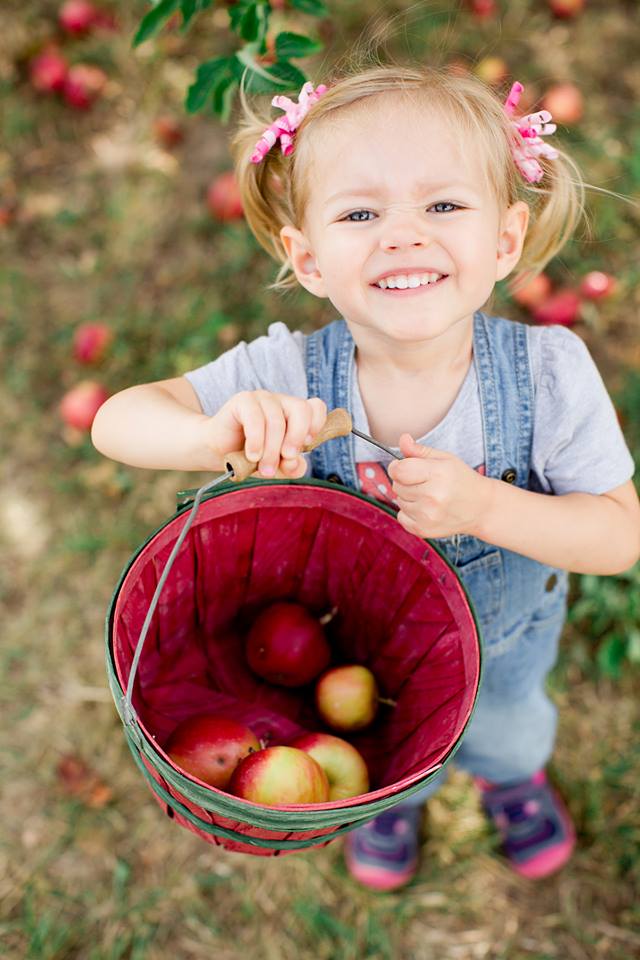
401, 612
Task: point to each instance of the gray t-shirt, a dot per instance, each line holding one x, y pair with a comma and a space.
578, 445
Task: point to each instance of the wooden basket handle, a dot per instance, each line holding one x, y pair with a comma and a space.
337, 424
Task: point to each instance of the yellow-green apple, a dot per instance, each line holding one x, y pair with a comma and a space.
347, 697
280, 775
345, 768
492, 70
286, 645
210, 747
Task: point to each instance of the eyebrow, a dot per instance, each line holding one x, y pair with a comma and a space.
370, 191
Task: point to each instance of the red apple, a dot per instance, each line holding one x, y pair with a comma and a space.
347, 697
168, 131
223, 198
533, 292
280, 775
48, 71
492, 70
91, 341
483, 8
345, 768
80, 404
562, 307
83, 84
566, 8
564, 102
596, 285
286, 645
210, 747
77, 16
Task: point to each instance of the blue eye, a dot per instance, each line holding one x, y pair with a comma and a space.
445, 203
355, 213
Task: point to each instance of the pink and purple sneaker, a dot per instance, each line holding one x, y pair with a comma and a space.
383, 854
536, 829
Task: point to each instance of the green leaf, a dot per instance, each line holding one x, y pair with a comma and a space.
611, 656
249, 24
223, 97
258, 79
290, 45
188, 8
315, 7
208, 75
154, 20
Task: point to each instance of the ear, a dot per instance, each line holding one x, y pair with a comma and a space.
303, 260
513, 229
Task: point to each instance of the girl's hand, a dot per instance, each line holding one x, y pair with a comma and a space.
438, 494
271, 428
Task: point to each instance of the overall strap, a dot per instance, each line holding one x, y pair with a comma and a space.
501, 356
329, 362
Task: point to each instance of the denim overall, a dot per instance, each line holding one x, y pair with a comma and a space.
520, 603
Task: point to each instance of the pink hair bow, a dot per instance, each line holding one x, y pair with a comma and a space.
284, 127
530, 130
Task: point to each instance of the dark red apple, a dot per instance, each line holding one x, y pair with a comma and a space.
533, 292
564, 102
90, 342
562, 307
280, 775
566, 8
77, 16
483, 8
210, 747
83, 85
168, 131
223, 198
286, 645
347, 697
48, 71
596, 285
80, 404
344, 766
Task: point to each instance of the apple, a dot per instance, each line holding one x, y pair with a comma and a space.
566, 8
347, 697
492, 70
286, 645
83, 85
280, 775
80, 404
596, 285
533, 292
223, 198
77, 16
210, 747
168, 131
91, 341
564, 102
562, 307
483, 8
48, 71
345, 768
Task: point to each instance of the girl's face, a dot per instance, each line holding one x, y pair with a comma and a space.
392, 192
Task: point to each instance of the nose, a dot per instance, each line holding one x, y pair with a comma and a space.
404, 227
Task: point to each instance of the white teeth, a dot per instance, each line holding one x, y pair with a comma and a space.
403, 280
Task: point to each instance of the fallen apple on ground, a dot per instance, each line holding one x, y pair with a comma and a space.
210, 747
280, 775
347, 697
80, 404
223, 197
286, 645
345, 768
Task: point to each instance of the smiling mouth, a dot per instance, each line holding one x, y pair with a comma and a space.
409, 291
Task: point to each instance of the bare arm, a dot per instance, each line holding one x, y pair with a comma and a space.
157, 425
581, 532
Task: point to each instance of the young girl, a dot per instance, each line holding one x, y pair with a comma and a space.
402, 195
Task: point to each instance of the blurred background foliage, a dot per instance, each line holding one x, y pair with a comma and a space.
124, 258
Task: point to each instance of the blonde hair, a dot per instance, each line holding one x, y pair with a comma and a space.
275, 192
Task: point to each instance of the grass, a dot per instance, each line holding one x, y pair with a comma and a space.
129, 242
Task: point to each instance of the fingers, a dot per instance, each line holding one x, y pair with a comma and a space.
276, 428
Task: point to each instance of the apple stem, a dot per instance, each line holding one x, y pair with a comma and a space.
389, 702
327, 617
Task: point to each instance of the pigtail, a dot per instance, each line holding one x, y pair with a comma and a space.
264, 187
